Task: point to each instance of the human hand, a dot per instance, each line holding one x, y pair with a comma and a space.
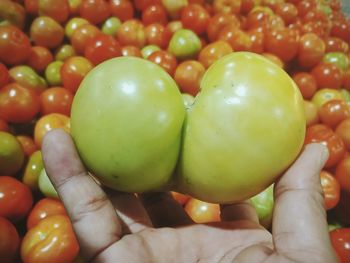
120, 227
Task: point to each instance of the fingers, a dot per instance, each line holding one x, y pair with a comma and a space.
299, 220
240, 211
93, 217
164, 211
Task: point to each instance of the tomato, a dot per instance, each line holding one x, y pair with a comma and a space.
212, 52
331, 189
257, 17
311, 50
49, 122
184, 44
288, 12
283, 42
11, 154
341, 243
95, 11
32, 6
18, 104
341, 29
4, 126
28, 78
263, 204
339, 59
238, 39
333, 112
343, 130
174, 26
82, 35
164, 59
143, 4
123, 9
4, 75
111, 25
227, 6
45, 185
323, 95
154, 14
218, 22
311, 113
273, 58
327, 76
180, 198
14, 45
342, 173
257, 39
51, 240
74, 6
32, 170
335, 44
73, 71
73, 24
132, 32
323, 134
157, 34
132, 51
346, 79
12, 13
39, 58
27, 144
188, 75
101, 48
58, 10
45, 31
44, 208
9, 241
202, 212
195, 18
16, 199
306, 84
56, 100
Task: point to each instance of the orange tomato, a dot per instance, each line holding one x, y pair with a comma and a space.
212, 52
306, 84
32, 170
28, 144
39, 58
181, 198
334, 112
56, 100
342, 173
202, 212
311, 113
343, 130
188, 75
130, 50
331, 189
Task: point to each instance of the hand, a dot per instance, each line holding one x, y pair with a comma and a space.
119, 227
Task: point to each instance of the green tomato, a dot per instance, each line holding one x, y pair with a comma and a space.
27, 77
131, 138
246, 127
45, 185
53, 73
339, 59
346, 95
73, 24
11, 154
184, 44
264, 203
111, 26
64, 52
148, 50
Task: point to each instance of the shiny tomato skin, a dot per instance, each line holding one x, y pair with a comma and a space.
306, 84
343, 130
195, 17
95, 11
14, 45
46, 32
40, 57
188, 75
227, 6
342, 173
9, 241
58, 10
311, 50
130, 50
18, 104
331, 189
323, 134
82, 35
123, 9
4, 75
132, 32
218, 22
44, 208
157, 34
213, 51
288, 12
335, 44
311, 113
334, 112
202, 212
341, 243
154, 14
27, 143
346, 79
16, 199
51, 240
327, 76
164, 59
237, 38
180, 198
56, 100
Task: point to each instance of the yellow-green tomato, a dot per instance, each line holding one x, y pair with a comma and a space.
184, 44
46, 186
53, 73
263, 204
148, 50
246, 126
27, 77
111, 26
126, 121
64, 52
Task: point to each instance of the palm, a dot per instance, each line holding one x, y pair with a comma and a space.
119, 227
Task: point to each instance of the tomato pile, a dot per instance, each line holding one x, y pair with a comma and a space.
48, 46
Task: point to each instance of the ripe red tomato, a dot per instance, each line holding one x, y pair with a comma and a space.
45, 31
327, 76
331, 189
218, 22
202, 212
16, 199
143, 4
18, 104
132, 32
73, 71
188, 75
306, 84
14, 45
237, 38
212, 52
56, 100
4, 75
4, 126
343, 130
341, 243
195, 17
44, 208
305, 6
346, 79
311, 113
154, 14
28, 144
157, 34
288, 12
95, 11
164, 59
335, 44
342, 173
9, 241
123, 9
334, 112
227, 6
82, 35
39, 58
58, 10
311, 50
130, 50
257, 38
341, 29
325, 135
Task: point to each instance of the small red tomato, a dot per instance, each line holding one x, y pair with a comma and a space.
82, 35
95, 11
56, 100
346, 79
44, 208
4, 75
218, 22
164, 59
130, 50
311, 50
306, 84
335, 44
341, 29
14, 45
157, 34
341, 243
16, 199
331, 189
9, 241
101, 48
323, 134
143, 4
343, 130
257, 38
123, 9
154, 14
202, 212
28, 144
212, 52
237, 38
188, 76
132, 32
342, 173
4, 126
58, 10
288, 12
18, 104
46, 32
327, 76
39, 58
334, 112
227, 6
73, 71
195, 18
